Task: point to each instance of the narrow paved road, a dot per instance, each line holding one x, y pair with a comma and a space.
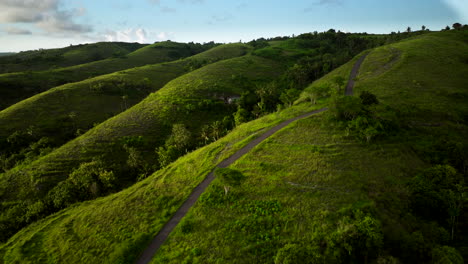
161, 237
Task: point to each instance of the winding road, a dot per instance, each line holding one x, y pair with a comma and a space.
161, 237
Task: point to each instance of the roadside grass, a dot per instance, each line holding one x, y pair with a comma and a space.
117, 227
308, 168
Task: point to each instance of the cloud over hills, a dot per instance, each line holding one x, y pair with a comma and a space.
45, 14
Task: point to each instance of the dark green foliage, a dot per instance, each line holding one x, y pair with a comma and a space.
359, 237
446, 255
346, 107
364, 121
457, 26
242, 116
316, 92
289, 96
179, 142
259, 43
295, 254
439, 193
368, 98
88, 181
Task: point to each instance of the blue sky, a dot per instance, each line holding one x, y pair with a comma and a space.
34, 24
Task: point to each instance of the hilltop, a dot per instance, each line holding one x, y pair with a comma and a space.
346, 185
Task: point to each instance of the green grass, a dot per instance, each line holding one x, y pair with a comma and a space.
18, 86
107, 229
424, 73
192, 99
307, 168
301, 182
91, 104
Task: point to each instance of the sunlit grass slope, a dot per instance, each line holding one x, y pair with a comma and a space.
115, 229
305, 181
44, 59
79, 105
188, 99
17, 86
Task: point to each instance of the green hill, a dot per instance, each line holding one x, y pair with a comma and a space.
314, 190
6, 54
15, 87
96, 99
45, 59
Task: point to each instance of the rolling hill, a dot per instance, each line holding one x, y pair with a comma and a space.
21, 85
316, 189
96, 99
45, 59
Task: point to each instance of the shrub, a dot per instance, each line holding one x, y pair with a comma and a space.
229, 178
446, 255
368, 98
294, 253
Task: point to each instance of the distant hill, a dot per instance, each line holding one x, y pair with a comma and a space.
15, 87
45, 59
6, 54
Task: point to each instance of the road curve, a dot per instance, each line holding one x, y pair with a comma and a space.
163, 234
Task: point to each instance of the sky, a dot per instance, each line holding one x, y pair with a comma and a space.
34, 24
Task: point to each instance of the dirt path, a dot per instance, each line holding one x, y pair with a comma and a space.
159, 239
354, 73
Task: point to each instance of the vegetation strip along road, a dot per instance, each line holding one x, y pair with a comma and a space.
161, 237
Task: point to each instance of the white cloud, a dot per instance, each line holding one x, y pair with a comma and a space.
140, 35
127, 35
460, 7
17, 31
45, 14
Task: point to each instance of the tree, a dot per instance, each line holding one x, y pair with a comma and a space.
423, 28
439, 193
447, 28
457, 26
368, 98
446, 255
180, 138
217, 129
124, 100
229, 178
289, 96
339, 81
241, 116
408, 30
318, 91
346, 107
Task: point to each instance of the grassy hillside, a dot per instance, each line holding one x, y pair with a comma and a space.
311, 190
45, 59
15, 87
193, 99
96, 99
118, 226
